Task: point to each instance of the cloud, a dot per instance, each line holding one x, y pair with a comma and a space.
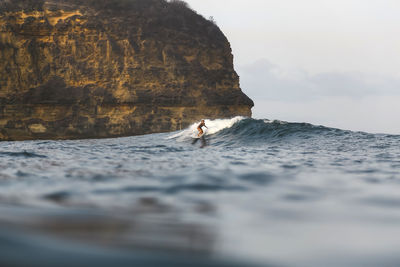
348, 100
374, 114
265, 80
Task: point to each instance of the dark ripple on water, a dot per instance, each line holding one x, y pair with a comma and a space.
24, 154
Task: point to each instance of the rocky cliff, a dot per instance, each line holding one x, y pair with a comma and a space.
106, 68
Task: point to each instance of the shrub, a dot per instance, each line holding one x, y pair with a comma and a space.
211, 18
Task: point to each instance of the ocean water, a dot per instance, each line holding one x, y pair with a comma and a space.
254, 193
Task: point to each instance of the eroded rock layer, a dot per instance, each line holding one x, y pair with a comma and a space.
97, 68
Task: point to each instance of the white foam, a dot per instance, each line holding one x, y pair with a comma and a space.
214, 126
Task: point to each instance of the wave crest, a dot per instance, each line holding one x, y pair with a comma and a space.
214, 126
252, 130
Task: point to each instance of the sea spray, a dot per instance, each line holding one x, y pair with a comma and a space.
214, 126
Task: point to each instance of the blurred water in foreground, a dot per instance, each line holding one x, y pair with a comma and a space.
261, 193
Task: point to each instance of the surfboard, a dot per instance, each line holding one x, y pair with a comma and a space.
200, 136
197, 136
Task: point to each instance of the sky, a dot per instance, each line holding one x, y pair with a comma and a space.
327, 62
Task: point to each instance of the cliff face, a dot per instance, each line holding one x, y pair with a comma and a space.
105, 68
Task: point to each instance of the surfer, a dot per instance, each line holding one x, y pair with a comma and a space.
200, 126
200, 135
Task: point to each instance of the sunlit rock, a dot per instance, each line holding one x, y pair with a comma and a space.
89, 69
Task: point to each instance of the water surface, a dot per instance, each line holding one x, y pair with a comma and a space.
265, 193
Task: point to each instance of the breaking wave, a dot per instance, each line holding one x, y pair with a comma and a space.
214, 126
247, 129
